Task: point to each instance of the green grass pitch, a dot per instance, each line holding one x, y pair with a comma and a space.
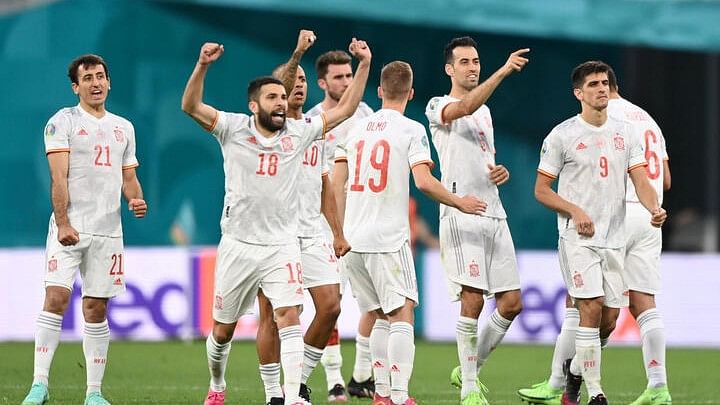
176, 373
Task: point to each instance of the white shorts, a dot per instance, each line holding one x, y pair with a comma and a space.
642, 251
319, 264
591, 272
382, 280
478, 252
99, 259
241, 268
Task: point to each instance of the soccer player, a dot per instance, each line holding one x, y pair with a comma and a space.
591, 154
91, 154
477, 251
334, 72
641, 271
319, 263
259, 248
379, 153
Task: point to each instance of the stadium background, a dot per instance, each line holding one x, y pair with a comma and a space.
665, 52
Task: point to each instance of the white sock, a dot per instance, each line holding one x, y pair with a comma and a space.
217, 355
587, 346
379, 350
564, 347
291, 358
363, 360
491, 335
467, 346
401, 356
47, 338
96, 341
311, 358
332, 363
652, 332
270, 375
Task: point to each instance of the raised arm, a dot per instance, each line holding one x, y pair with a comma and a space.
480, 94
351, 98
647, 196
306, 39
192, 100
328, 206
549, 198
133, 192
59, 163
428, 184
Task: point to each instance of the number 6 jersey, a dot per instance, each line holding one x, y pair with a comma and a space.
592, 164
100, 148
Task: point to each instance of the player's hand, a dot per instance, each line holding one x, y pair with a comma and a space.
67, 235
360, 50
470, 204
499, 174
658, 217
517, 61
210, 52
583, 224
138, 206
306, 39
341, 246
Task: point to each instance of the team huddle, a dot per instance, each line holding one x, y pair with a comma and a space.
319, 198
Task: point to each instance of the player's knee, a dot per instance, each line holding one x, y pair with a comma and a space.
94, 309
287, 316
510, 310
331, 310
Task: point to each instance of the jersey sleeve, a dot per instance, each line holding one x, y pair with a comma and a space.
341, 152
313, 129
227, 123
552, 155
129, 158
419, 151
434, 109
663, 148
636, 155
57, 133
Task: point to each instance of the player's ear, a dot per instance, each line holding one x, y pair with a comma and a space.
449, 69
411, 94
75, 88
578, 94
380, 92
322, 84
253, 106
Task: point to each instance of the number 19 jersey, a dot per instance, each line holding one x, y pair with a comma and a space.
381, 149
261, 177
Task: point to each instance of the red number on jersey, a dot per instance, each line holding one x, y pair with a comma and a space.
381, 146
296, 275
311, 158
98, 158
117, 265
603, 166
653, 161
268, 167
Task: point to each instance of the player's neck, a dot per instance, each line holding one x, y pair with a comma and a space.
294, 113
398, 106
458, 91
596, 118
97, 111
328, 103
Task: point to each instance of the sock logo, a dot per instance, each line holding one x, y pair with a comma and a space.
99, 360
653, 363
378, 364
42, 349
589, 364
394, 369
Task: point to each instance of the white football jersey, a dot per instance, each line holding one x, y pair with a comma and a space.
592, 165
261, 177
381, 150
465, 147
100, 148
651, 140
314, 166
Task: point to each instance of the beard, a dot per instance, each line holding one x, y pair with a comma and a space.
265, 119
335, 95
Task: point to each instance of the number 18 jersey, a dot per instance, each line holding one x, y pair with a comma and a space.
381, 149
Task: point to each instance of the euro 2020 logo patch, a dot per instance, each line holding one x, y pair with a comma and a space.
50, 129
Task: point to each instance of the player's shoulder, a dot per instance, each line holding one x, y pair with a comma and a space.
363, 109
435, 102
119, 120
316, 110
66, 114
566, 127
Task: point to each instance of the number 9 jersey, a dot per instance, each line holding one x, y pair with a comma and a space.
100, 148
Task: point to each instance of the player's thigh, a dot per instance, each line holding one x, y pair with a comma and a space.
641, 269
393, 276
465, 244
237, 278
281, 276
62, 262
103, 267
614, 286
502, 262
361, 282
581, 269
319, 264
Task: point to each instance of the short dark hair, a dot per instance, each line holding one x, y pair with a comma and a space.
85, 61
256, 85
396, 80
457, 42
330, 58
585, 69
